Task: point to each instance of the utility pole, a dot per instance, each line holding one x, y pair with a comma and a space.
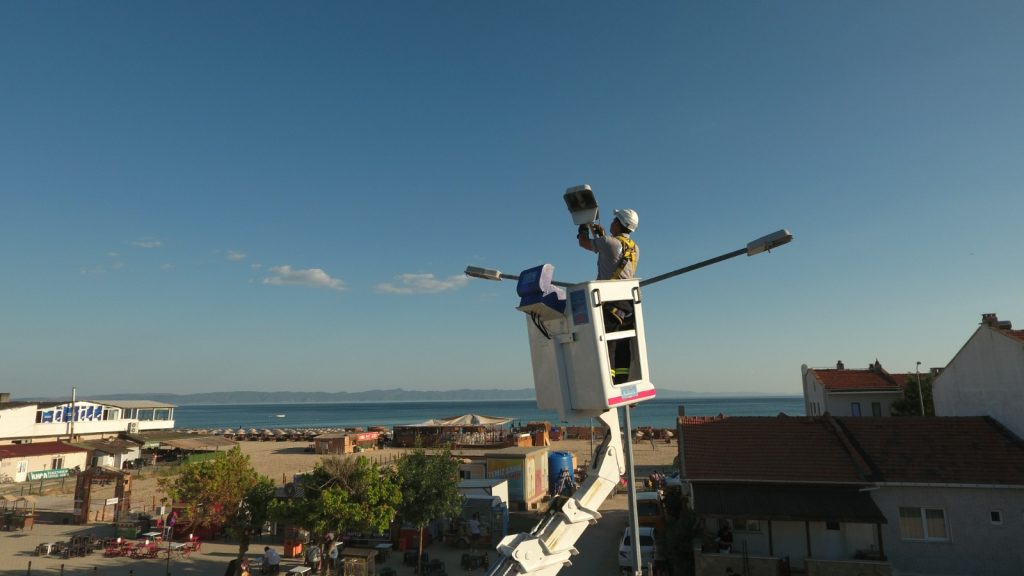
74, 392
920, 391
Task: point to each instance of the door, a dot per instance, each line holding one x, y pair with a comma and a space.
22, 474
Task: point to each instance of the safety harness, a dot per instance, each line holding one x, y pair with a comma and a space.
628, 256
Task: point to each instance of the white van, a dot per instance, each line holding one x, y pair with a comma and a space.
648, 549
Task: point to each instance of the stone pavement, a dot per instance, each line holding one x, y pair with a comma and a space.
598, 553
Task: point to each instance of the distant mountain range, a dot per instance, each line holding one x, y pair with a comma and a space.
391, 395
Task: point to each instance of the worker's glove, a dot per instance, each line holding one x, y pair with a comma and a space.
598, 230
582, 231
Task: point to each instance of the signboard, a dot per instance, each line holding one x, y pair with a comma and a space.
81, 413
50, 474
112, 501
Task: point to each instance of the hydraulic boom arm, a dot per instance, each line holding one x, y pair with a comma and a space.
547, 548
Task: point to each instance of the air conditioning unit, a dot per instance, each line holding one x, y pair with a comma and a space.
133, 427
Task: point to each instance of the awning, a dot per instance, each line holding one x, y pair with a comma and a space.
109, 446
786, 502
198, 443
464, 420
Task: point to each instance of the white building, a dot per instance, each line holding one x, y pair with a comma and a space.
986, 377
27, 422
21, 462
851, 392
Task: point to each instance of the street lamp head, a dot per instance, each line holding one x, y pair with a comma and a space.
766, 243
483, 273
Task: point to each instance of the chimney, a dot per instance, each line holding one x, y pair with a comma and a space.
989, 319
1005, 325
840, 366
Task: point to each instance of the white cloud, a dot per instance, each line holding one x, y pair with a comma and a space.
422, 284
147, 243
167, 266
256, 266
315, 277
235, 255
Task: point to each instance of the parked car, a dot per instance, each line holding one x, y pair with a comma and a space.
649, 509
647, 550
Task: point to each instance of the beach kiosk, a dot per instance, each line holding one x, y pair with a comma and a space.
357, 562
526, 470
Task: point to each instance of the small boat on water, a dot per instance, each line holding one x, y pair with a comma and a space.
280, 415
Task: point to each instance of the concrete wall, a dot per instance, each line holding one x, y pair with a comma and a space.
974, 546
9, 466
17, 423
712, 564
986, 378
840, 403
847, 568
814, 394
789, 538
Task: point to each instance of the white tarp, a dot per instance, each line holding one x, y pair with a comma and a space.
464, 420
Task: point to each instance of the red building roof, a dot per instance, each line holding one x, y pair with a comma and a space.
1015, 334
766, 449
37, 449
820, 450
952, 450
849, 380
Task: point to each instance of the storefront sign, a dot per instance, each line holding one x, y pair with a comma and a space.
49, 474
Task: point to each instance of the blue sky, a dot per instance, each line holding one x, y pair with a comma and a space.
202, 196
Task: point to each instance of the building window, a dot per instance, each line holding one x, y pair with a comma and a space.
876, 409
923, 524
855, 408
831, 525
57, 462
996, 517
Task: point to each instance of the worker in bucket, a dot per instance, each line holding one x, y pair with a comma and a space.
617, 257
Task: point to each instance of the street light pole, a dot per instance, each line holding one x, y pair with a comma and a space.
920, 391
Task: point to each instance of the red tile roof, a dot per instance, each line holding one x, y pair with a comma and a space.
765, 449
833, 379
952, 450
943, 450
1015, 334
37, 449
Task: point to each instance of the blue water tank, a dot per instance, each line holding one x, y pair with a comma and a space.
558, 461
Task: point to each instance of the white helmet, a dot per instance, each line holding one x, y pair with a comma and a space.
628, 218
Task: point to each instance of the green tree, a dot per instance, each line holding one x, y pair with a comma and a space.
223, 492
910, 404
343, 494
430, 489
677, 538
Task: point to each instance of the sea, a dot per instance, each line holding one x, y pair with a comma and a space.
657, 413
